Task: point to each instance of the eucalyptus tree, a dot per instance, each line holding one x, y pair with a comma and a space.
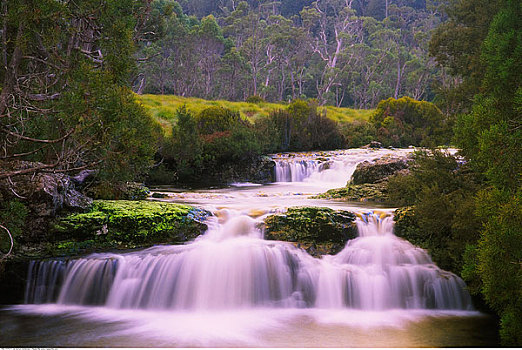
333, 30
246, 28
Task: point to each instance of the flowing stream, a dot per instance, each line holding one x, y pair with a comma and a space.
230, 287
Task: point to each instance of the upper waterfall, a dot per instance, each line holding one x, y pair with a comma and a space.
333, 167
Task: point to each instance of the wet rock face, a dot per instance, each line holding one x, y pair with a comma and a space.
378, 170
259, 170
317, 230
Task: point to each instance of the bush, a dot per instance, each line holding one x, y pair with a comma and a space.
254, 99
214, 139
441, 191
405, 122
302, 128
358, 133
12, 215
494, 263
217, 119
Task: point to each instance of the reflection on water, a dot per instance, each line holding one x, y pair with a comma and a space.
51, 325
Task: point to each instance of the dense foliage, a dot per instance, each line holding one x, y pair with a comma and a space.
301, 127
405, 122
64, 101
203, 143
440, 188
491, 137
468, 214
220, 137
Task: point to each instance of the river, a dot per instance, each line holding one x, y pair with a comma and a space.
232, 288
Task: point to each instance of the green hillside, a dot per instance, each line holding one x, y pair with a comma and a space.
163, 108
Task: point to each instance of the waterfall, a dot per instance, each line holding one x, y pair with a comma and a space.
332, 167
383, 271
233, 267
295, 170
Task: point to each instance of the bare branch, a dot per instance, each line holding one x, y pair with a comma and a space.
12, 242
43, 97
18, 155
29, 170
26, 138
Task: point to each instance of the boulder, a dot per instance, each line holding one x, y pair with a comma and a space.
378, 170
44, 194
359, 193
126, 224
373, 144
318, 230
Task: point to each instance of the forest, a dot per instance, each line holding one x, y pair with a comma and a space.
81, 95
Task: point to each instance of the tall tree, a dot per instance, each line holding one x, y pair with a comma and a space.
456, 44
64, 100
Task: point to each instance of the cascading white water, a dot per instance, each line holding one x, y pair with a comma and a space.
334, 167
233, 267
295, 170
383, 271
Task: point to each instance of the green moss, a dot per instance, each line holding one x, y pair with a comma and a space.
361, 193
128, 224
312, 226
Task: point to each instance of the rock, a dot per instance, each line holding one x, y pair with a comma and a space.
319, 230
83, 176
378, 170
360, 193
159, 195
127, 224
373, 144
45, 194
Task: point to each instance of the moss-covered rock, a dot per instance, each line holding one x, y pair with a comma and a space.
127, 224
318, 230
406, 225
360, 193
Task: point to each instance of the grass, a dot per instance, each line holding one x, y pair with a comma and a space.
163, 108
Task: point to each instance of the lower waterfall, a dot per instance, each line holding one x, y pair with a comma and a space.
233, 267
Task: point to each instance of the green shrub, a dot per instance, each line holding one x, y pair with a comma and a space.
217, 119
405, 122
358, 133
441, 191
495, 261
301, 127
254, 99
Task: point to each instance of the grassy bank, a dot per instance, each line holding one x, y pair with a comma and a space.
163, 108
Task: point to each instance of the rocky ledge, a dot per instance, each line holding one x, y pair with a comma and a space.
370, 180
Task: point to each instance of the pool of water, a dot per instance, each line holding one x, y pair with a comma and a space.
64, 326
